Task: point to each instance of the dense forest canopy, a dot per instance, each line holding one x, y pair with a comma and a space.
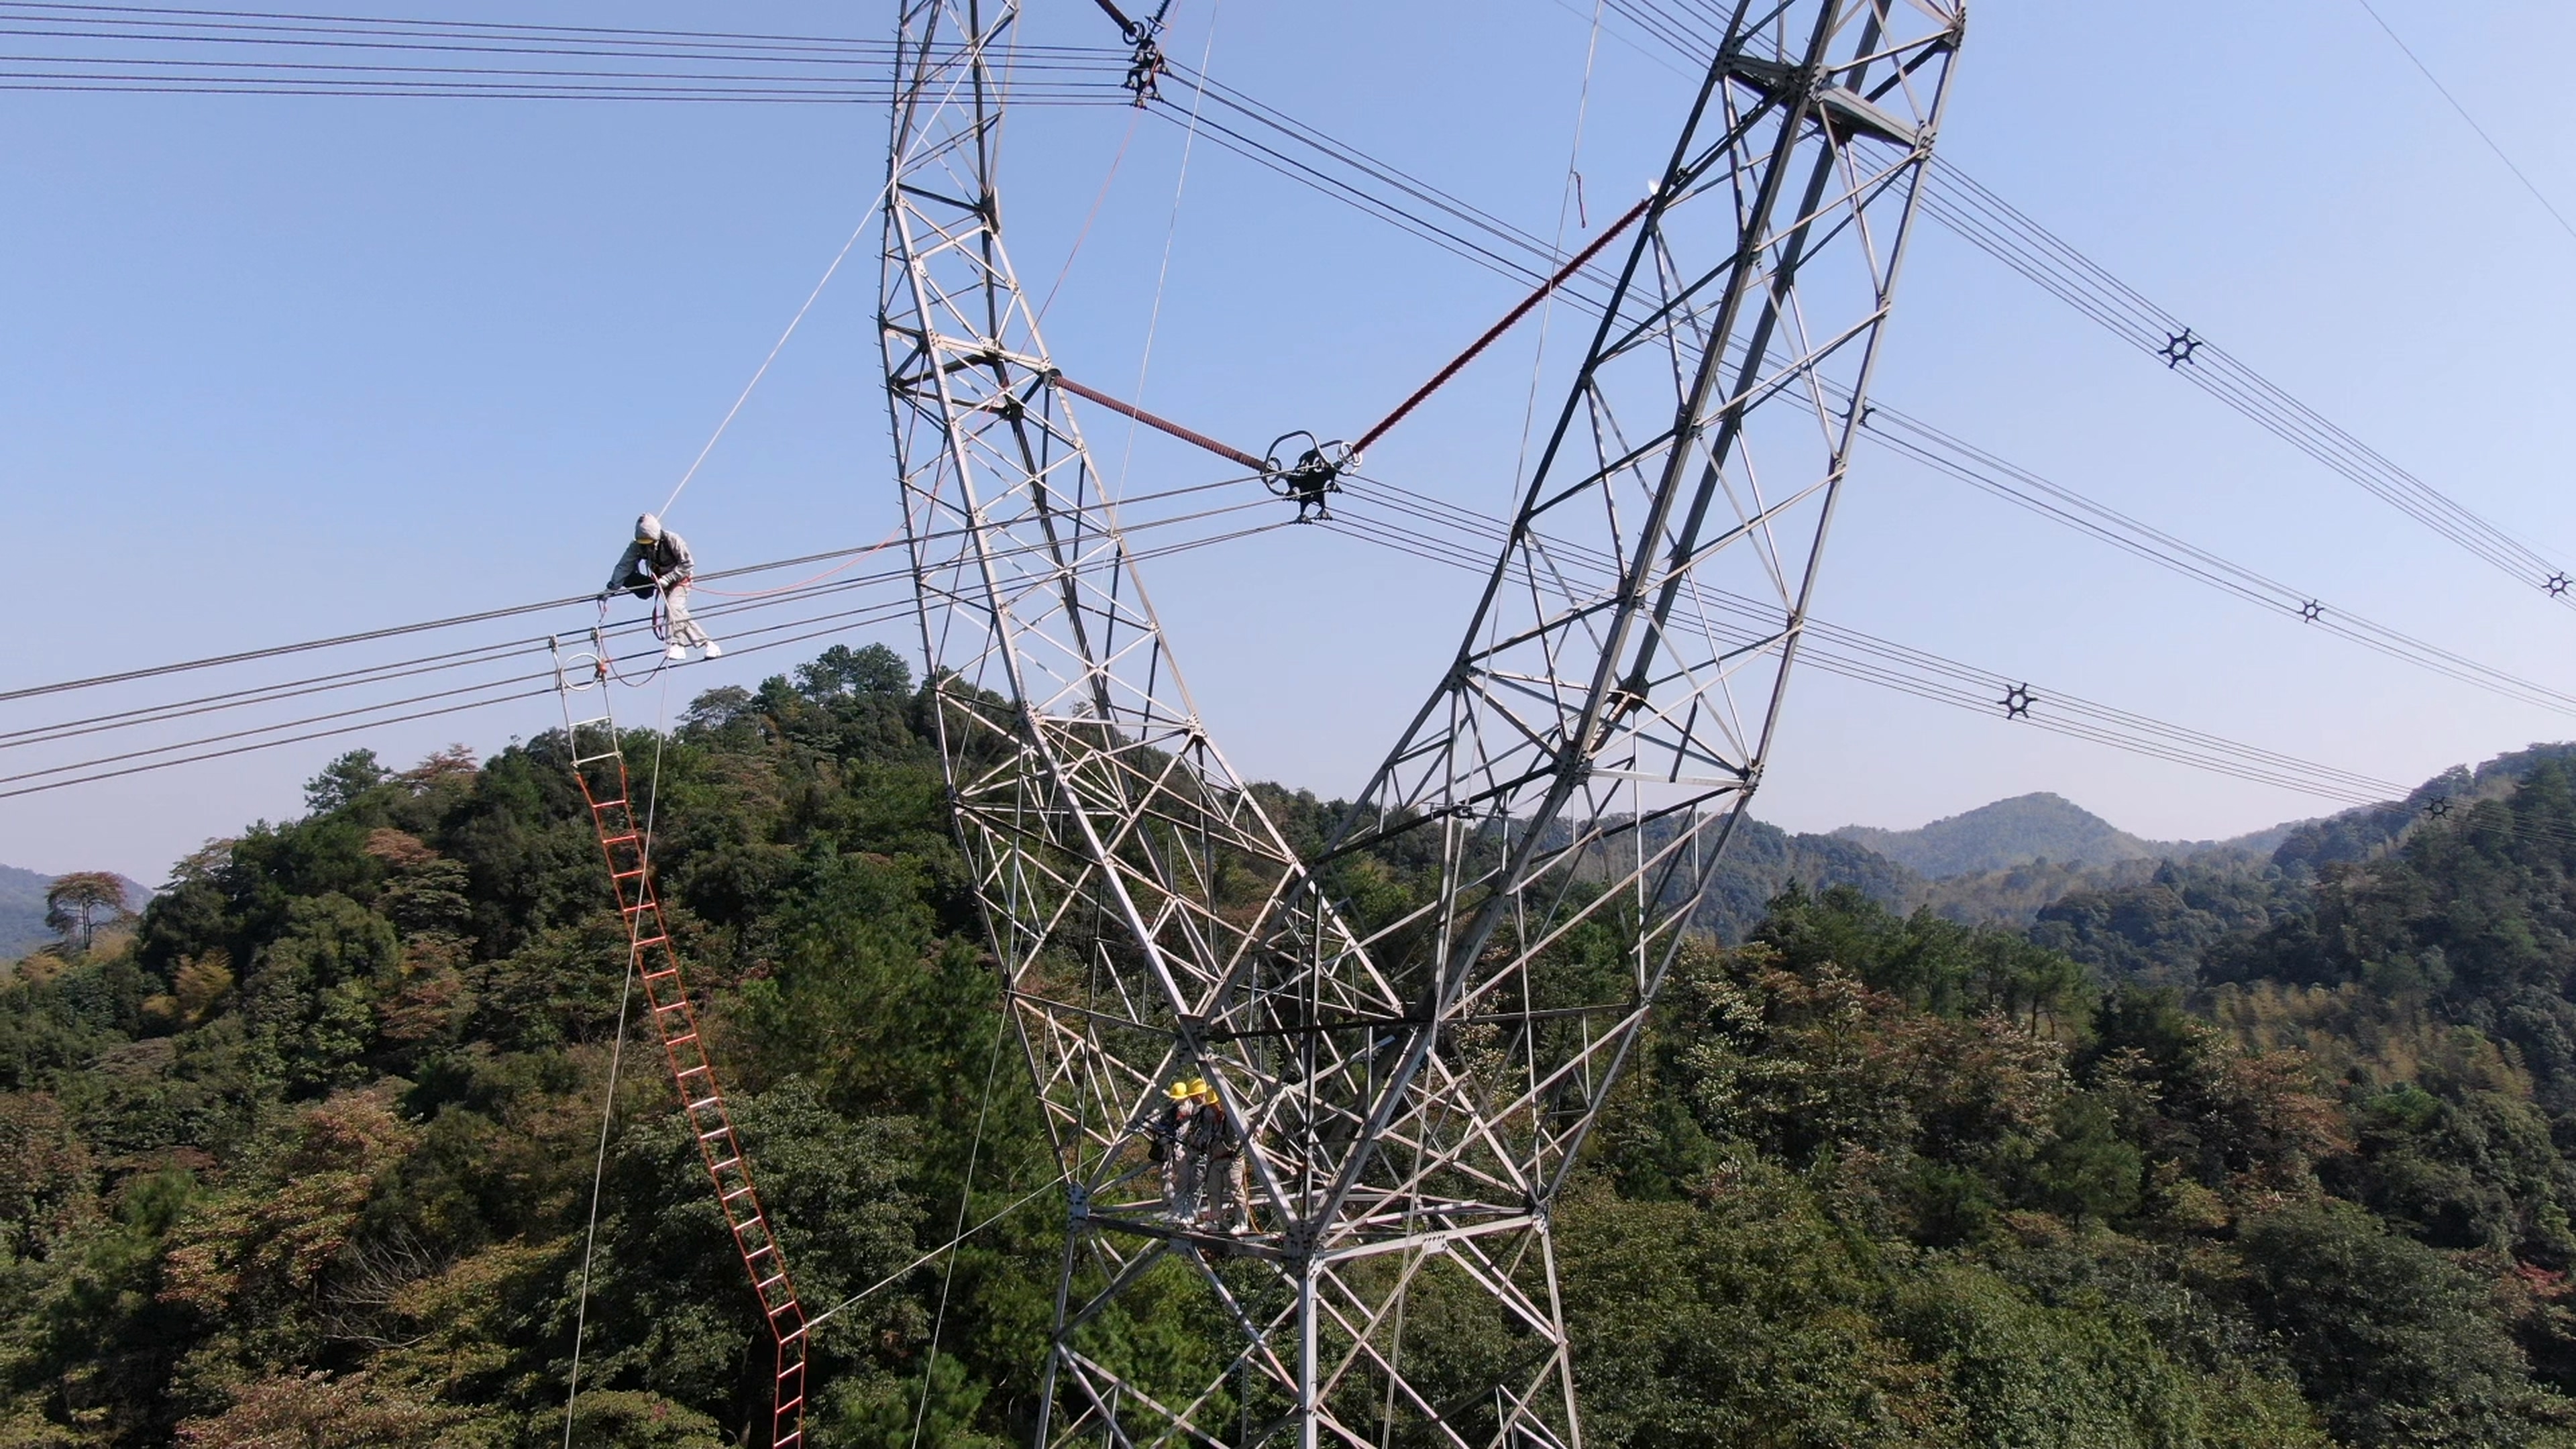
2261, 1151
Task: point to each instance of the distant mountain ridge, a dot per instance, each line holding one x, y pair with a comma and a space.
2025, 828
2034, 827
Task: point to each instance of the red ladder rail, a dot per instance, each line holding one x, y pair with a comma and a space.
599, 766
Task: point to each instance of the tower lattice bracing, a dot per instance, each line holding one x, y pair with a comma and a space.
1414, 1073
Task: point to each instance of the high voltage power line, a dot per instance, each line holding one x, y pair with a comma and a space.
1270, 138
159, 50
1977, 215
1262, 134
1336, 169
1394, 517
1398, 518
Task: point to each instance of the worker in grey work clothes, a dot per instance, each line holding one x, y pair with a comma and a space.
658, 561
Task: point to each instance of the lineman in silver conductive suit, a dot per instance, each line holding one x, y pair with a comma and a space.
658, 561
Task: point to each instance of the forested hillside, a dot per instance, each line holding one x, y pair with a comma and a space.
308, 1159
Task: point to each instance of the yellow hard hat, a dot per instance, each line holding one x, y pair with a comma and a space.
1181, 1091
1199, 1088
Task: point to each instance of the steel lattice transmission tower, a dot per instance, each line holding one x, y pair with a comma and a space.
1416, 1079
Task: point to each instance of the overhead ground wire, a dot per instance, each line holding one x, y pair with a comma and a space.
2463, 112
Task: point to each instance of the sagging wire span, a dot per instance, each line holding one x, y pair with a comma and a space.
492, 692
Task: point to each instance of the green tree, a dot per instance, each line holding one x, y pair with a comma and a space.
77, 903
2396, 1345
343, 781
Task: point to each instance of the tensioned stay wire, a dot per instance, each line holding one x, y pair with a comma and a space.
1973, 211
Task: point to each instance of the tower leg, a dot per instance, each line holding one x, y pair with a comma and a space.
1306, 1371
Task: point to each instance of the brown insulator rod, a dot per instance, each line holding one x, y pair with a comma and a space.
1162, 425
1581, 258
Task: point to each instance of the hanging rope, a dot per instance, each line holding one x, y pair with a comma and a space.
598, 1176
899, 1274
1573, 165
1154, 319
763, 370
965, 1194
2427, 71
1089, 217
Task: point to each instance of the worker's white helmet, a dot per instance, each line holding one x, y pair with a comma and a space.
648, 528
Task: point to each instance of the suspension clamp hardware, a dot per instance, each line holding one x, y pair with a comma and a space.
1316, 473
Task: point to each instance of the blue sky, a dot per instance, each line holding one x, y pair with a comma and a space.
281, 367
